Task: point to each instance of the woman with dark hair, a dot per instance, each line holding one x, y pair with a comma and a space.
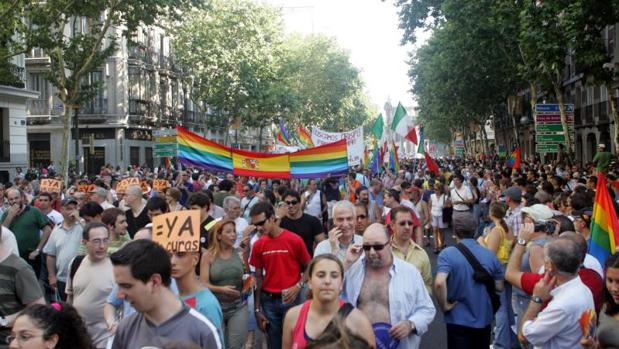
316, 319
55, 326
607, 334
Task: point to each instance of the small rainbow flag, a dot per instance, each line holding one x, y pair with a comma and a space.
394, 161
328, 159
262, 165
283, 133
281, 139
604, 224
305, 137
196, 151
513, 161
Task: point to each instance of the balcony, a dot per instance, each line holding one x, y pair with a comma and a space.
38, 107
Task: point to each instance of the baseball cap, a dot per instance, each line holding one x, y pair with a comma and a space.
539, 212
68, 200
584, 214
513, 193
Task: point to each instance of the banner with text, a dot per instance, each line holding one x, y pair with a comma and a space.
354, 139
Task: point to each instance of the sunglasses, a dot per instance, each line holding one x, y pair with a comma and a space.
291, 203
376, 248
403, 223
261, 223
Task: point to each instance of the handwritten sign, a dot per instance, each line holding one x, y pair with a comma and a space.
160, 185
50, 186
354, 139
178, 231
86, 188
144, 186
121, 188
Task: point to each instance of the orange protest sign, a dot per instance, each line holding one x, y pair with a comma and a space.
121, 188
144, 186
86, 188
160, 185
178, 231
50, 186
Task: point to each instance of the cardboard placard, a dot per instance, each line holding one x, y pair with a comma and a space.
49, 185
144, 186
122, 186
178, 231
160, 185
86, 188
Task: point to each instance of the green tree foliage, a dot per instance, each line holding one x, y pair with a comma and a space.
73, 55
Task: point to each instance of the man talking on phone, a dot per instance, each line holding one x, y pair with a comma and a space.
343, 233
25, 221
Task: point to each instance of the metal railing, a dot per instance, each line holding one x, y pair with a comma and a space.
38, 107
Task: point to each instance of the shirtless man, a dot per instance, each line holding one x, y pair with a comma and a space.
369, 279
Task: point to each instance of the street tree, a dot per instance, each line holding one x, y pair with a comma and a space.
73, 55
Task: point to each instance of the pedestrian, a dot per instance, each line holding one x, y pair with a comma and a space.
88, 287
232, 208
557, 325
306, 226
248, 201
173, 197
279, 257
222, 272
116, 222
54, 326
315, 318
142, 271
405, 248
607, 332
513, 217
465, 301
378, 280
438, 202
99, 195
362, 218
313, 200
462, 198
342, 235
201, 201
91, 212
137, 215
602, 159
62, 246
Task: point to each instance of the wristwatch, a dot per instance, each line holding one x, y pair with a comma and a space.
537, 299
522, 242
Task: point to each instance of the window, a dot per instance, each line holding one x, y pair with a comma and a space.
5, 146
98, 105
134, 156
148, 157
36, 82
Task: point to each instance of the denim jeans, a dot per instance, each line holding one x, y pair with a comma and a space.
275, 310
504, 337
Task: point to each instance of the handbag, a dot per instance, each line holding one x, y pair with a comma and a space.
482, 276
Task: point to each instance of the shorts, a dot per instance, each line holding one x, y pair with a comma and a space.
437, 222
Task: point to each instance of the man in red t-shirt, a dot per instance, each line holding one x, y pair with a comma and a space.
527, 280
281, 256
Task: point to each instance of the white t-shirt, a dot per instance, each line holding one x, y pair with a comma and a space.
437, 205
312, 207
55, 217
9, 241
462, 194
246, 205
240, 224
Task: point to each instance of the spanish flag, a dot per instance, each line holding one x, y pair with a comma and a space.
261, 165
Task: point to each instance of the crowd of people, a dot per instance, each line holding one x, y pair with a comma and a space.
318, 263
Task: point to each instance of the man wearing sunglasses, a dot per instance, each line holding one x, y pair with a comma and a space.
403, 225
306, 226
387, 289
279, 257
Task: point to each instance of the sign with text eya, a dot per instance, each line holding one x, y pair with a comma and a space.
50, 186
178, 231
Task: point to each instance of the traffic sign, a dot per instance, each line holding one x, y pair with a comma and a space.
549, 131
550, 138
547, 148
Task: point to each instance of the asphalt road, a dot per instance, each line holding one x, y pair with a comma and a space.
436, 337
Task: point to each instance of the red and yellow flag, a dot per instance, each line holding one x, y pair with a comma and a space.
252, 164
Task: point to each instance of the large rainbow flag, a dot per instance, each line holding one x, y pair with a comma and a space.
196, 151
261, 165
604, 224
328, 159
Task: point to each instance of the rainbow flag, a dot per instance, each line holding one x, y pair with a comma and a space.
305, 137
394, 161
513, 161
262, 165
604, 224
281, 139
283, 133
328, 159
366, 157
196, 151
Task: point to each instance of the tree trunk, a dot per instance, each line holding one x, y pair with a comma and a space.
260, 138
533, 102
64, 150
613, 111
566, 129
465, 135
484, 139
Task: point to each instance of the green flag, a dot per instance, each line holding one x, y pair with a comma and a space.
377, 129
399, 124
421, 149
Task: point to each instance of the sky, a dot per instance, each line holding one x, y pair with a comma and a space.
368, 29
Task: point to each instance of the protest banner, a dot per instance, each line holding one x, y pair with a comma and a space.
160, 185
354, 139
178, 231
50, 186
122, 186
86, 188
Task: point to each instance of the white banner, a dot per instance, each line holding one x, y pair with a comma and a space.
354, 138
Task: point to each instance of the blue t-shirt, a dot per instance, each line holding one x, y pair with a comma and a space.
205, 302
474, 308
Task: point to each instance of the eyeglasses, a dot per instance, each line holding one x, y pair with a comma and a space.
403, 223
362, 216
376, 248
261, 223
21, 338
291, 203
98, 242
